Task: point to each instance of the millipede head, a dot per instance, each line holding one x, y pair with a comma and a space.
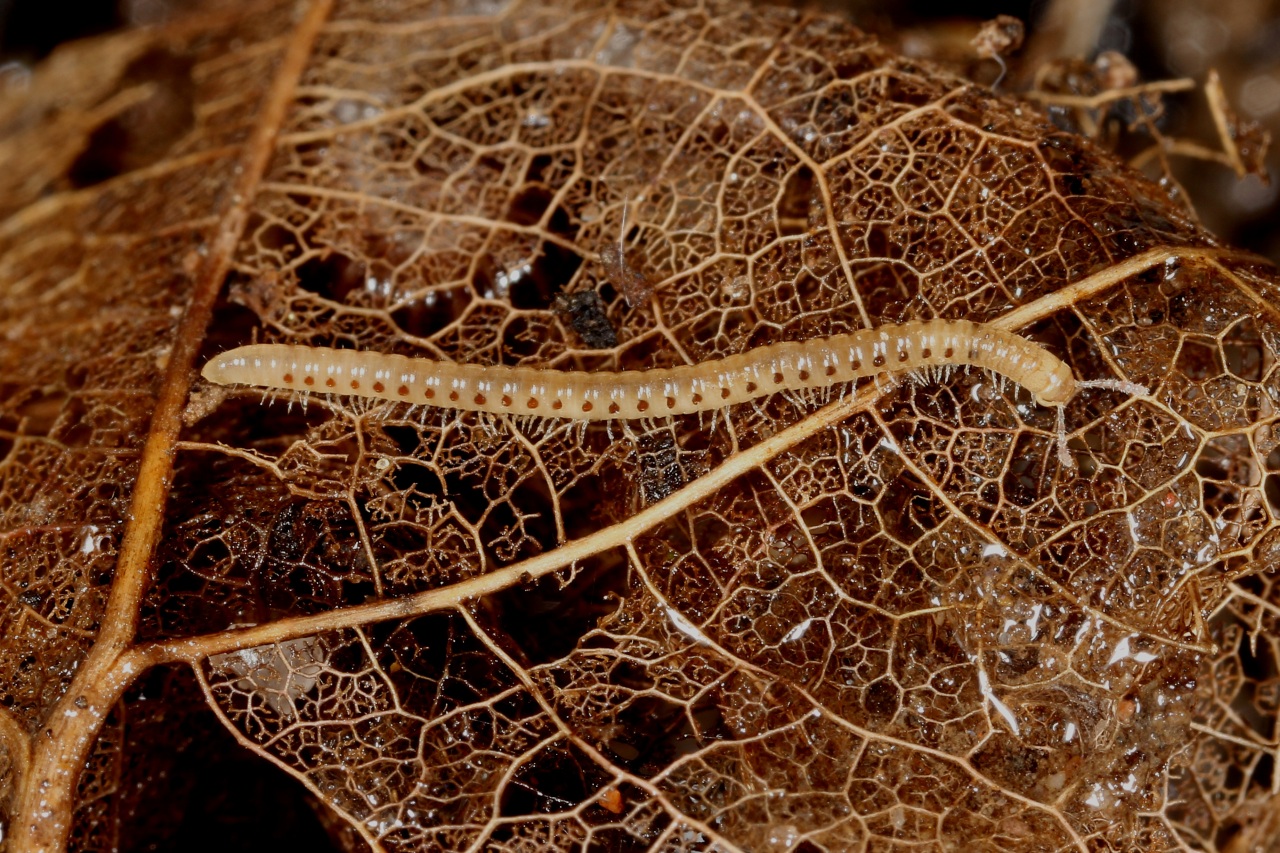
1058, 387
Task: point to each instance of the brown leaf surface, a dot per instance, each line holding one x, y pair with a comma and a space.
883, 618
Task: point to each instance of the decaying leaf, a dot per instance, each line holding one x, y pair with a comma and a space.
883, 616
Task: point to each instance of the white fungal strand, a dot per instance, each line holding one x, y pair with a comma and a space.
628, 394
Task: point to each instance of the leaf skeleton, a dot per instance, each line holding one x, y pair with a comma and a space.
629, 394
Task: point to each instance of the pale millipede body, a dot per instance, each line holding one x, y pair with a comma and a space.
616, 395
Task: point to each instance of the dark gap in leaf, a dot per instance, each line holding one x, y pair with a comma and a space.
520, 337
548, 275
545, 169
207, 558
142, 133
582, 500
608, 293
271, 424
529, 204
425, 317
1072, 184
465, 487
648, 731
201, 790
416, 481
232, 326
1263, 773
1271, 488
879, 241
331, 275
561, 223
1258, 666
1184, 304
545, 620
408, 439
552, 780
344, 657
32, 30
485, 276
540, 527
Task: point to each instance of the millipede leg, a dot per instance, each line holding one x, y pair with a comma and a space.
1064, 456
1131, 388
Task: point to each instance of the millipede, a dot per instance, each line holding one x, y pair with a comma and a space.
656, 392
